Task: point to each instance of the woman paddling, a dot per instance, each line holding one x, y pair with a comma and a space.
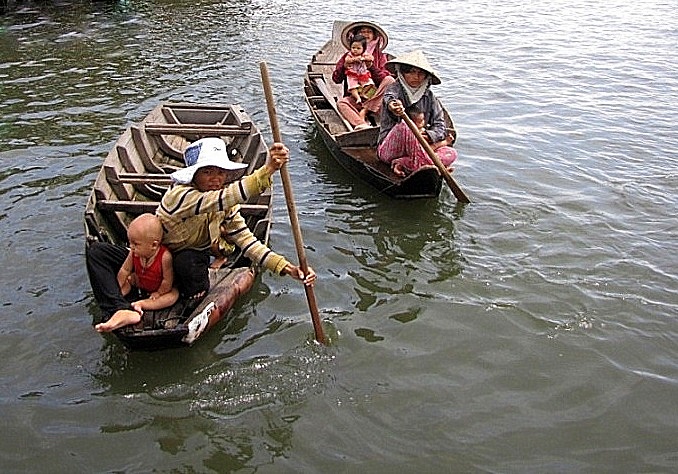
397, 144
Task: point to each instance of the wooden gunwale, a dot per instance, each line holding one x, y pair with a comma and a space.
132, 180
355, 150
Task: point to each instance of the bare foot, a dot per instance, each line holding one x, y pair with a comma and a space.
119, 319
398, 169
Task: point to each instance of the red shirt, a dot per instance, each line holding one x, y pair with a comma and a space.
149, 278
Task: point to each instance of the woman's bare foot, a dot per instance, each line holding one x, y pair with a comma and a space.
398, 169
119, 319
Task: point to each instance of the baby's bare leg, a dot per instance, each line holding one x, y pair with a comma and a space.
161, 302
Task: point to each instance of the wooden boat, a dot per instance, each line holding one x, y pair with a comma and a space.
356, 150
133, 179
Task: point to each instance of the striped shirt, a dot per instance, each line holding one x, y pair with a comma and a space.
200, 220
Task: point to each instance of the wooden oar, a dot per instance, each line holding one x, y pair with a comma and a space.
456, 189
291, 206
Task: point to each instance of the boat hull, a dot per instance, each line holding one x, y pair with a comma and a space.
134, 176
356, 150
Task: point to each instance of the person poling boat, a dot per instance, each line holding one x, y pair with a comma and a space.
200, 217
412, 94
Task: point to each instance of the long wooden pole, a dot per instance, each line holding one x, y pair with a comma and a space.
291, 206
456, 189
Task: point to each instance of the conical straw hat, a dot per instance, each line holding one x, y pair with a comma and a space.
417, 59
347, 33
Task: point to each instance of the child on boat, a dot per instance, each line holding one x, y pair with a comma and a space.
445, 152
147, 272
358, 78
200, 210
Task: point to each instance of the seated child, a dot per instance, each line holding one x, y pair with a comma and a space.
417, 116
360, 83
147, 271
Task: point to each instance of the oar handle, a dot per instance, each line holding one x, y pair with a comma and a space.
291, 206
456, 189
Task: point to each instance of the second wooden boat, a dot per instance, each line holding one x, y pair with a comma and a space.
356, 150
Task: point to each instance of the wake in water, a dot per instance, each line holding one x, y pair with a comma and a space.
227, 389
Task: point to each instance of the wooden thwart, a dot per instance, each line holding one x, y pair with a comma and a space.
140, 207
144, 178
189, 129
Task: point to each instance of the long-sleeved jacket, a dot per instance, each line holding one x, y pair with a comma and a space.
433, 113
378, 70
201, 220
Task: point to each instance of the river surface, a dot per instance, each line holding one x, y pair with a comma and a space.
533, 330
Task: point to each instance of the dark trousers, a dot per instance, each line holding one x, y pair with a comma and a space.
191, 274
103, 262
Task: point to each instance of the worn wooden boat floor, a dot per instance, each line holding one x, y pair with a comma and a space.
354, 149
133, 179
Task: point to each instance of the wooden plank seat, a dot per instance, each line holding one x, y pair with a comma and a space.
207, 113
193, 129
152, 186
144, 178
317, 99
140, 207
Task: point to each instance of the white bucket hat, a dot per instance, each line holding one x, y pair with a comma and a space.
209, 151
417, 59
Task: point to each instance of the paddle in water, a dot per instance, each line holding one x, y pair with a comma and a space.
454, 187
291, 206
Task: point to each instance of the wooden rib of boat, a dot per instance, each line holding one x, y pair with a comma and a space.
356, 150
133, 178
